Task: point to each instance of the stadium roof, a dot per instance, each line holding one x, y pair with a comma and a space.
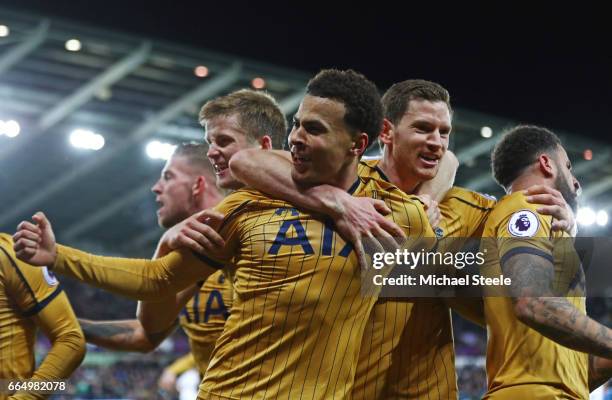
131, 90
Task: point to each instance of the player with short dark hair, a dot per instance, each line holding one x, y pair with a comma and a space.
397, 98
298, 313
407, 349
539, 336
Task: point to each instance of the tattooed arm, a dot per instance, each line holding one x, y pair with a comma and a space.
124, 335
556, 318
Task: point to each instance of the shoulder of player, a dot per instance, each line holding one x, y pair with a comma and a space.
514, 207
243, 199
35, 286
8, 259
378, 187
6, 243
23, 270
5, 238
512, 203
470, 198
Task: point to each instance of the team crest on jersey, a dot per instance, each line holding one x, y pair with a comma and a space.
439, 233
523, 223
49, 277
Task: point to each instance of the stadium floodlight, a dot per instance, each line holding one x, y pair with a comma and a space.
4, 31
201, 71
159, 150
602, 218
586, 216
486, 132
86, 139
9, 128
258, 83
73, 45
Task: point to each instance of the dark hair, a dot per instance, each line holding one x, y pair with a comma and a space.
258, 114
359, 96
397, 98
195, 154
517, 149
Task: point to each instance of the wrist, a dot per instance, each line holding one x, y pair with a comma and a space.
330, 200
58, 257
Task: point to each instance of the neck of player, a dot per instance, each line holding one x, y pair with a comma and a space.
397, 175
528, 179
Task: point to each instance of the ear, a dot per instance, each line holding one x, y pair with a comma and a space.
199, 186
360, 144
265, 143
546, 165
387, 133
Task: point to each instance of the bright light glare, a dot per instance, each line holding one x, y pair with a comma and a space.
159, 150
586, 216
602, 218
86, 139
258, 83
486, 132
10, 128
73, 45
201, 71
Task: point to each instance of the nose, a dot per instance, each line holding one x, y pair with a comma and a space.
296, 138
157, 189
212, 152
434, 140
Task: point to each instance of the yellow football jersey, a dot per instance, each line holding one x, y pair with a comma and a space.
464, 213
204, 316
298, 315
31, 297
407, 349
522, 363
139, 279
182, 364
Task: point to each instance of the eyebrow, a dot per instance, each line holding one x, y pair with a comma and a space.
429, 123
312, 123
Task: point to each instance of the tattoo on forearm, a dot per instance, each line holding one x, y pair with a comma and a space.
102, 331
554, 317
528, 279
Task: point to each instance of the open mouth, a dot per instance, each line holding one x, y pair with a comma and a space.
299, 158
430, 160
220, 168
